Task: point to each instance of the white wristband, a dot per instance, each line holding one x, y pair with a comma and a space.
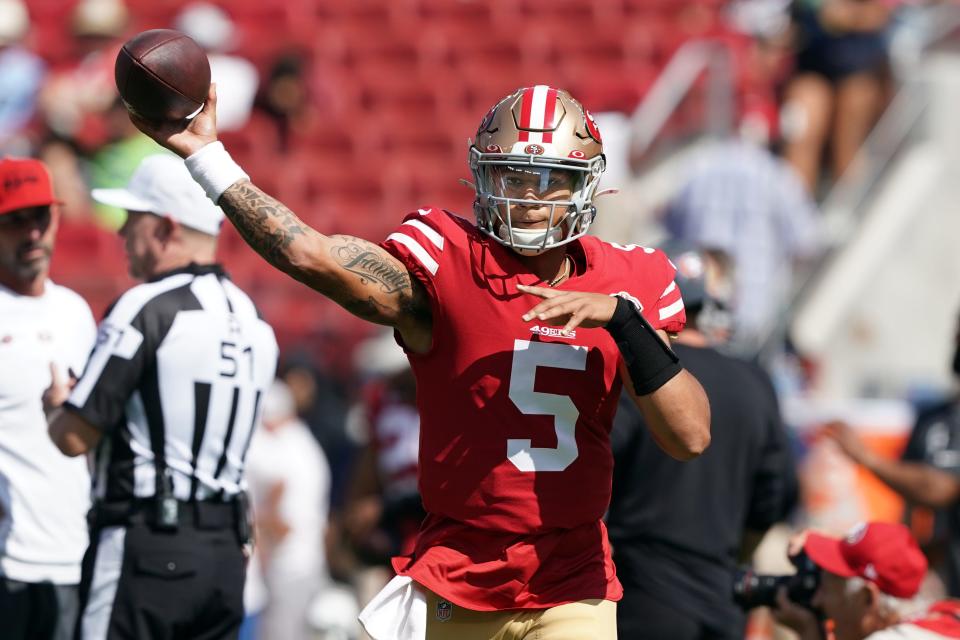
214, 170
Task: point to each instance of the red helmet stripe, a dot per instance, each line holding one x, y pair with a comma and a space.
526, 106
549, 114
538, 112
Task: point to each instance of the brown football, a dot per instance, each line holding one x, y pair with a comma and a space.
162, 74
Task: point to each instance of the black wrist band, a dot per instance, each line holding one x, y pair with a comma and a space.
651, 363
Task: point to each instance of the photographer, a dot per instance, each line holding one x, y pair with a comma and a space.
865, 581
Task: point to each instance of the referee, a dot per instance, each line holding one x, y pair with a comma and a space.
168, 401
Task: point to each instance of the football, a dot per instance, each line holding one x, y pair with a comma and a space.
162, 74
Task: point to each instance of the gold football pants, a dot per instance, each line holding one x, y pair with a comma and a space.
583, 620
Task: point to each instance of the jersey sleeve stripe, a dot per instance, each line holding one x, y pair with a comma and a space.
671, 310
429, 233
671, 287
417, 250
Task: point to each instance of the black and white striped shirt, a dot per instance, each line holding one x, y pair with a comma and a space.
179, 370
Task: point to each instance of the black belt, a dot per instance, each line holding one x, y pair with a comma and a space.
206, 514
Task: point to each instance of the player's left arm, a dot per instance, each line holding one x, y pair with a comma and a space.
673, 403
677, 413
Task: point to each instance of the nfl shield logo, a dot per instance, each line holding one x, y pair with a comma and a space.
444, 610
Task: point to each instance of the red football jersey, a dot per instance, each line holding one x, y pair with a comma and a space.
515, 463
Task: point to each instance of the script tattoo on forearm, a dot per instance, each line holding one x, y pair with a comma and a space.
405, 295
368, 261
264, 222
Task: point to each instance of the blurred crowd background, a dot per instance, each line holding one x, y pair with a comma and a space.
809, 143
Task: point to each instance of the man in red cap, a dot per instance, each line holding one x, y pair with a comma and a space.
46, 332
866, 581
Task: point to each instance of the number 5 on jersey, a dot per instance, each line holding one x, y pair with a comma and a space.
527, 356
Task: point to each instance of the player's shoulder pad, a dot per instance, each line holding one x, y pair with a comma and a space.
638, 256
425, 234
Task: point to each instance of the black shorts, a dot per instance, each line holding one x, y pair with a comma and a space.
836, 56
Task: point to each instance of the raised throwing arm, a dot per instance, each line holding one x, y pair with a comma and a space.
355, 273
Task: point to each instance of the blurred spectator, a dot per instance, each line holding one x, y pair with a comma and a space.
321, 403
838, 88
66, 167
75, 97
384, 510
289, 483
678, 529
740, 198
113, 163
287, 102
927, 475
21, 76
85, 118
236, 77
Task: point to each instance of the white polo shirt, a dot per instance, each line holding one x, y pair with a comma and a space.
44, 495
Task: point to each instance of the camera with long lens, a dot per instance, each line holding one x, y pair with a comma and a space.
752, 590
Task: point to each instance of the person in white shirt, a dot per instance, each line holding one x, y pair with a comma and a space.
289, 481
46, 332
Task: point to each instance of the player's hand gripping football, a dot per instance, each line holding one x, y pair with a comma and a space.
184, 137
571, 309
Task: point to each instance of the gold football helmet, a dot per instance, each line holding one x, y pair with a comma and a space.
536, 148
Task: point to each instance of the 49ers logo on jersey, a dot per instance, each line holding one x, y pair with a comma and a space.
552, 332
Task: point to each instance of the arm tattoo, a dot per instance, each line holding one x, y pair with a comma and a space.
272, 229
264, 222
367, 261
374, 266
368, 309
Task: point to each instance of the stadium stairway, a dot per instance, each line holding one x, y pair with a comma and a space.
881, 317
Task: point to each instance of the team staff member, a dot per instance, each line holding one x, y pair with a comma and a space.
677, 530
44, 496
169, 400
516, 328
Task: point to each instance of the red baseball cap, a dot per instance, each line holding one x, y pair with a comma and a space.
24, 183
885, 554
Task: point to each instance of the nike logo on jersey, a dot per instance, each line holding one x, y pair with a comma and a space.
552, 332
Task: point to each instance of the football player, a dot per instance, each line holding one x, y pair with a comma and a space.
520, 329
